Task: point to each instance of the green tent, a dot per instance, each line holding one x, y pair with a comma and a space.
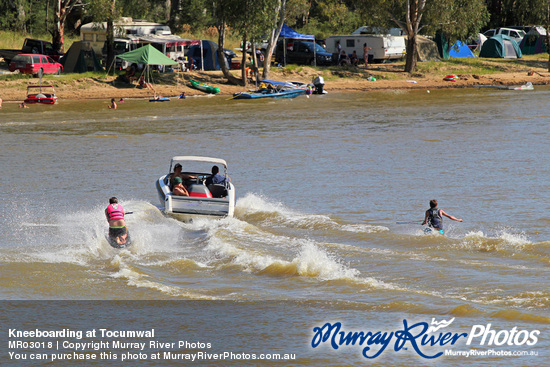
442, 45
500, 46
147, 55
80, 58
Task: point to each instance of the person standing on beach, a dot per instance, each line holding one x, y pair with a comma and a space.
434, 217
366, 50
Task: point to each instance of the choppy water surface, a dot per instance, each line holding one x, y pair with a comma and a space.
321, 183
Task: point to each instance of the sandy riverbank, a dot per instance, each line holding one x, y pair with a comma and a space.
388, 77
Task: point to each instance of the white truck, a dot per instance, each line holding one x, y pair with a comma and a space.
383, 47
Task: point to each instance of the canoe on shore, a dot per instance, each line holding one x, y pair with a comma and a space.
204, 87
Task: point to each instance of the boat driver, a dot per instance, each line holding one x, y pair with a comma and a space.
117, 225
216, 178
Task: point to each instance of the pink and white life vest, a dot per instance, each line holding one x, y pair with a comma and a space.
115, 211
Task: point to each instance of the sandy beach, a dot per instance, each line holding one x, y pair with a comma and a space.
388, 77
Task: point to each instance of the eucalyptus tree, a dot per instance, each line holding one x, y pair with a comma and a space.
105, 11
535, 12
62, 10
250, 19
455, 18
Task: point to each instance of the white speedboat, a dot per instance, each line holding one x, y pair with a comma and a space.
210, 200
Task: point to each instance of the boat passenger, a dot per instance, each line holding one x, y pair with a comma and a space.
117, 225
113, 105
182, 176
179, 189
434, 219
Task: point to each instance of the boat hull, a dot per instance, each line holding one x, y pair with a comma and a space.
204, 87
257, 95
40, 100
186, 208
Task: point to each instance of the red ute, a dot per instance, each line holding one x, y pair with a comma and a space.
33, 63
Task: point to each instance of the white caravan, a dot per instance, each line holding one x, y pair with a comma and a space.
383, 47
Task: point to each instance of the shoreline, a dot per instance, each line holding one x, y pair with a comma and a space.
388, 76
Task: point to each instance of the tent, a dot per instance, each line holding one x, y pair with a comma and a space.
206, 55
460, 49
426, 49
501, 46
80, 58
147, 55
289, 33
442, 45
534, 41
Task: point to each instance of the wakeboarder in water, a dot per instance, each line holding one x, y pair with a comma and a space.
118, 233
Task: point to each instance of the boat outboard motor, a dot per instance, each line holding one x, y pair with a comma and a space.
318, 83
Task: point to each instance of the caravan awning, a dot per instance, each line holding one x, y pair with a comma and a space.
169, 41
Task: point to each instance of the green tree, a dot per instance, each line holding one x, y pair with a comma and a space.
456, 18
62, 10
105, 11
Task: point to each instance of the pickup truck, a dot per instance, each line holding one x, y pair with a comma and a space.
31, 46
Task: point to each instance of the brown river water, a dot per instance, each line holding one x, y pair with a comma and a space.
321, 185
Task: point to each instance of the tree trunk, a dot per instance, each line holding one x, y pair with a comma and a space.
173, 20
412, 56
244, 62
254, 62
221, 43
415, 10
59, 24
167, 10
111, 37
62, 10
22, 18
547, 38
273, 37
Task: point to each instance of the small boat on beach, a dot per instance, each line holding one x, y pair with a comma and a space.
206, 199
317, 85
272, 89
36, 94
203, 87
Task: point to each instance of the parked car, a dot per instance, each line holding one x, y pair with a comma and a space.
35, 64
516, 34
302, 52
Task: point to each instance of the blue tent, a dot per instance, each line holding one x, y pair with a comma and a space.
287, 32
205, 56
460, 49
